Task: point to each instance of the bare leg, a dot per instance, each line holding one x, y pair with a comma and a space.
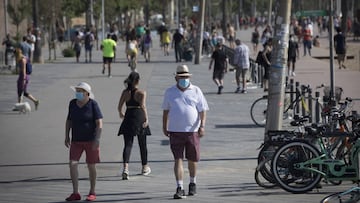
192, 168
92, 176
74, 174
178, 169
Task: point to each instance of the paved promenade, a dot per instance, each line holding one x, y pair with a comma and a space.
33, 158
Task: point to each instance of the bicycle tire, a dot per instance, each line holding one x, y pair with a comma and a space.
264, 162
341, 197
132, 65
258, 111
283, 167
262, 181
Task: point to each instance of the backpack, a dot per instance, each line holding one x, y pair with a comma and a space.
28, 66
88, 39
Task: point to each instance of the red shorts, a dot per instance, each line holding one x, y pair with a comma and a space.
77, 148
188, 141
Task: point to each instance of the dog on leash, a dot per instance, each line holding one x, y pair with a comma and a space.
23, 107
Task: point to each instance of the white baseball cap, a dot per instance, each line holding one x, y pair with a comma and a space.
85, 86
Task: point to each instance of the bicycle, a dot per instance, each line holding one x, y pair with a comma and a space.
132, 63
299, 166
349, 196
258, 109
263, 174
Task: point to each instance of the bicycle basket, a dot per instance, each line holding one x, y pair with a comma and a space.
338, 93
280, 137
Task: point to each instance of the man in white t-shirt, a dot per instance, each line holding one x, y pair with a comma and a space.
242, 64
31, 39
184, 117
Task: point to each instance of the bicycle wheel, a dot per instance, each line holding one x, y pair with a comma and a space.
342, 197
264, 162
262, 181
285, 171
132, 65
258, 111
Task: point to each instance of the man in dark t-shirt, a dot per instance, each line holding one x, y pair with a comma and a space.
340, 47
176, 43
220, 66
293, 53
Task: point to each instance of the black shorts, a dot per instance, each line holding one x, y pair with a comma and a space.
107, 59
292, 59
218, 74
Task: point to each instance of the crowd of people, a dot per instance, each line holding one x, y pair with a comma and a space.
83, 125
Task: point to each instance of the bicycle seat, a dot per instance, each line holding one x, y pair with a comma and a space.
299, 120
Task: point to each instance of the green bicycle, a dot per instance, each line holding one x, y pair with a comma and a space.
299, 166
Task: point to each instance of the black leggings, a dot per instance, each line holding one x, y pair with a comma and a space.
129, 140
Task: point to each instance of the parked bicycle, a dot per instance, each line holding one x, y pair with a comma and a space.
299, 166
349, 196
258, 110
276, 138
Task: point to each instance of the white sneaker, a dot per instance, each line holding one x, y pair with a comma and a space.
293, 74
146, 171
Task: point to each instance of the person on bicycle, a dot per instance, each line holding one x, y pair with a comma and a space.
132, 52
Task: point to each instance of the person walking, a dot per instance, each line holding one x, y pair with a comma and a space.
166, 39
77, 45
340, 47
88, 42
108, 48
231, 35
24, 78
266, 62
307, 40
242, 64
135, 122
255, 36
184, 133
293, 53
177, 40
84, 120
9, 49
219, 59
147, 45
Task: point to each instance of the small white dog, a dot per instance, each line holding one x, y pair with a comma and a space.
23, 107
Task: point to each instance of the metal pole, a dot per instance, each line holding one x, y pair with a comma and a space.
331, 37
270, 12
200, 30
5, 16
278, 67
102, 19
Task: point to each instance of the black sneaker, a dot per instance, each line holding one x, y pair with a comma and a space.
192, 189
180, 194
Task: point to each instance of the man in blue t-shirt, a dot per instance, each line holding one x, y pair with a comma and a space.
84, 119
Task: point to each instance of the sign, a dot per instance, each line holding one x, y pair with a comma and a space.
311, 13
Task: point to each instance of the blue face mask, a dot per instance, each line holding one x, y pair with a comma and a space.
79, 95
184, 83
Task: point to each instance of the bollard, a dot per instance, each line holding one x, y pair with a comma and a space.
310, 105
317, 108
292, 93
297, 84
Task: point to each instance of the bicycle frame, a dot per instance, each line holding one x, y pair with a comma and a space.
334, 169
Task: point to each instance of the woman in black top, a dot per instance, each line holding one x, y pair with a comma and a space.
134, 122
